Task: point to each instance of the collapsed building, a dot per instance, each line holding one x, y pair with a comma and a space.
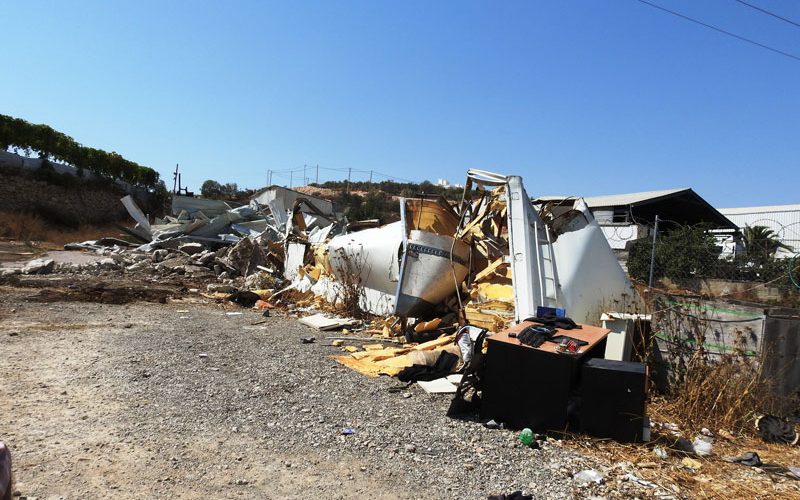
492, 258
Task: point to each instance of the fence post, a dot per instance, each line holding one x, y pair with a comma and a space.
653, 254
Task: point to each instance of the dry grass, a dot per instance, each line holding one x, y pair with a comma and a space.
720, 392
716, 478
33, 230
727, 394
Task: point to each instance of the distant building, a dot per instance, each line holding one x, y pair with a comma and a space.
628, 217
783, 220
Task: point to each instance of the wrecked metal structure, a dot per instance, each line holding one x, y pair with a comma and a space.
492, 259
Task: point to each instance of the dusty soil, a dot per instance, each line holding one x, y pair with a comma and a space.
181, 399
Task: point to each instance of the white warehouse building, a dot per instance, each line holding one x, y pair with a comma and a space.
783, 220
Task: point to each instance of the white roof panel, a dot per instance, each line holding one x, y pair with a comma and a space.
614, 200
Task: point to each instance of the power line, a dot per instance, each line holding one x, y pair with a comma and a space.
765, 11
720, 30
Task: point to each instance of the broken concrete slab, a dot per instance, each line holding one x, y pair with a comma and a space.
38, 266
245, 257
191, 248
324, 322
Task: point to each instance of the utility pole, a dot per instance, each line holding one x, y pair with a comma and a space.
653, 254
317, 173
291, 175
349, 170
269, 177
175, 180
370, 176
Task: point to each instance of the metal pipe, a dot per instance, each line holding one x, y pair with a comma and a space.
653, 254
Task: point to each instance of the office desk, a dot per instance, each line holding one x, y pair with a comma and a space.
528, 386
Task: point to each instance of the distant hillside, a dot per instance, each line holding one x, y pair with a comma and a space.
361, 200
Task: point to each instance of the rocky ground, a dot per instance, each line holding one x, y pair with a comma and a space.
183, 400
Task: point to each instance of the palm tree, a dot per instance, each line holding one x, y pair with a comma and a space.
761, 241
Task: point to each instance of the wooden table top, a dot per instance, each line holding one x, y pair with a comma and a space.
588, 333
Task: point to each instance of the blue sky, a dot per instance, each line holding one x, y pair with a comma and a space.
579, 97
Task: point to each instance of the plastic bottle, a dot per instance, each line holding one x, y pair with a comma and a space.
526, 436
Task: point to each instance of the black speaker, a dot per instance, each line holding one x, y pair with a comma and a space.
525, 387
613, 397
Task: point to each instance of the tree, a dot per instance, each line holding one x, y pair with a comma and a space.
229, 190
761, 242
211, 189
682, 253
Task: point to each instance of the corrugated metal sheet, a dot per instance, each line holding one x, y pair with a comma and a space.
784, 220
615, 200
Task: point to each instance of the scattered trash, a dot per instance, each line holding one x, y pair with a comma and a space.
726, 435
691, 463
517, 495
337, 343
526, 436
702, 446
325, 322
347, 431
234, 313
438, 386
643, 482
587, 477
774, 429
750, 459
262, 305
308, 340
660, 453
203, 355
492, 424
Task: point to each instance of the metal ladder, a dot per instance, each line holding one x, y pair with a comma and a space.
546, 269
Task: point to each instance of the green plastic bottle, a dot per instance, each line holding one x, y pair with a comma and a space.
526, 436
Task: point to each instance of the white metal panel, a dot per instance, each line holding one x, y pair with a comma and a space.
590, 277
618, 235
784, 220
615, 200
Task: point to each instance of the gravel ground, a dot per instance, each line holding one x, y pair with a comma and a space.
164, 400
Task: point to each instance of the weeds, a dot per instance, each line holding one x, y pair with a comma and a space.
351, 295
714, 378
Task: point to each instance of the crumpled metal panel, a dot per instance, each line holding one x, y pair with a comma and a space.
428, 274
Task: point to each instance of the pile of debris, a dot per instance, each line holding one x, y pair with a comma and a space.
489, 261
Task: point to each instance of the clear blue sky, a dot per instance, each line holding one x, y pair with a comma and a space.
579, 97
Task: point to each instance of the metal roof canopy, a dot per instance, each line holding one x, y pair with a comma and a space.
682, 206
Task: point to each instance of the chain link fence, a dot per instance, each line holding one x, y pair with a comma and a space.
755, 265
